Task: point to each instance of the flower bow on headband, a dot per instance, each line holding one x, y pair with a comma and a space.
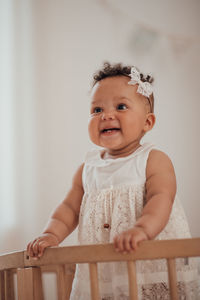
144, 88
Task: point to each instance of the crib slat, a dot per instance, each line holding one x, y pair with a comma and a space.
29, 284
2, 286
94, 285
9, 285
65, 276
69, 275
133, 292
61, 284
171, 264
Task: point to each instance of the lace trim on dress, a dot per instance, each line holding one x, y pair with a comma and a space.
94, 157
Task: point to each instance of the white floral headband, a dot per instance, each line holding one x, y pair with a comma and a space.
144, 88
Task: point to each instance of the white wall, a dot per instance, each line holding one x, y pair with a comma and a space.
55, 48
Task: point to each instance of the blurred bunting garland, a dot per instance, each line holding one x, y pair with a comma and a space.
144, 38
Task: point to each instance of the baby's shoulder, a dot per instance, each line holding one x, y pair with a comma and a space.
156, 154
158, 161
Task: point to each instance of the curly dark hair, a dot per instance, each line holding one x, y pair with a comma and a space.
119, 69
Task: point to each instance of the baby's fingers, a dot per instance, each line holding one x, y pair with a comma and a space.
134, 243
119, 243
128, 244
136, 239
41, 247
35, 247
30, 249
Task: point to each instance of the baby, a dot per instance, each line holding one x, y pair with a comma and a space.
123, 193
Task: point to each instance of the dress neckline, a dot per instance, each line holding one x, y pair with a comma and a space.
94, 157
105, 155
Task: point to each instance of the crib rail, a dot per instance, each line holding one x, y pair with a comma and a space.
63, 259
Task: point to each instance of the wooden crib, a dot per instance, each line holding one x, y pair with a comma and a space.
62, 260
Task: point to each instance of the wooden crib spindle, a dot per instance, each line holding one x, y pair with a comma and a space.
94, 284
171, 264
9, 285
29, 284
2, 286
6, 285
133, 292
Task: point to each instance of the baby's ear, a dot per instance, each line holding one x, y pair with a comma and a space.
150, 121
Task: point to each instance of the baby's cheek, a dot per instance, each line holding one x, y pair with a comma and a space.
93, 129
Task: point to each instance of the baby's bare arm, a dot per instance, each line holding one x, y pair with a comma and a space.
160, 193
63, 221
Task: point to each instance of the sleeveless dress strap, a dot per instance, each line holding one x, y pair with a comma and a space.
143, 158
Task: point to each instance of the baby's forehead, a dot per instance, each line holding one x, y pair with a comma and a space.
114, 100
115, 85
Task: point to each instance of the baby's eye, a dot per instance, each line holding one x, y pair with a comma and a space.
97, 110
121, 106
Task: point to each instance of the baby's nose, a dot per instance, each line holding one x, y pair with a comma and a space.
110, 115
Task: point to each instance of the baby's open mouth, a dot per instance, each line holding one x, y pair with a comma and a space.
110, 130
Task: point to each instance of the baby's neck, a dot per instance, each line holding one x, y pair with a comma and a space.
110, 153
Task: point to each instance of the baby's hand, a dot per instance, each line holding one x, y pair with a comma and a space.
37, 247
128, 240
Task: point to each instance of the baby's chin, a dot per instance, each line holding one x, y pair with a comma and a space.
108, 149
108, 145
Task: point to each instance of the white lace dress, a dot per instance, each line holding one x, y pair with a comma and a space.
114, 194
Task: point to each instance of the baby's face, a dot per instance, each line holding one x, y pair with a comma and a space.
119, 115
